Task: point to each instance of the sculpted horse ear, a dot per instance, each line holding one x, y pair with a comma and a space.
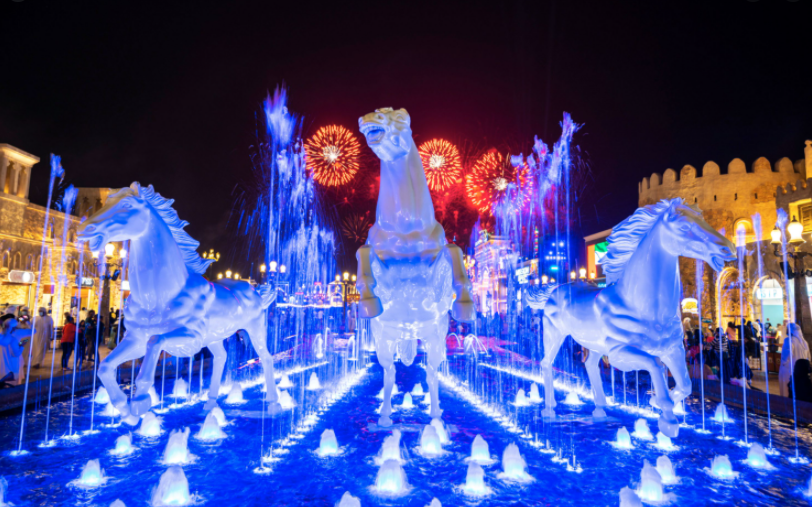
136, 187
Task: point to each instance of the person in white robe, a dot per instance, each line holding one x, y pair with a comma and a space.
12, 341
794, 348
43, 334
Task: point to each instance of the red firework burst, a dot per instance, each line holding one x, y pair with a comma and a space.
356, 227
332, 155
493, 178
442, 163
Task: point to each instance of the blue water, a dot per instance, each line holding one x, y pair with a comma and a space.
223, 473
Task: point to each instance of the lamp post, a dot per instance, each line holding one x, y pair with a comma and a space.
797, 272
213, 256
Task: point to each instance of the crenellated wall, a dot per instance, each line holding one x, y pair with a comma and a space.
727, 196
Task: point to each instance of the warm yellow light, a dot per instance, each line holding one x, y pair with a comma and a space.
219, 275
795, 230
122, 253
346, 276
775, 234
95, 255
109, 248
236, 276
572, 275
338, 278
582, 273
552, 280
228, 273
592, 275
354, 278
262, 268
282, 268
273, 266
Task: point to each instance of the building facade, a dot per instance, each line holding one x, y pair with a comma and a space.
742, 203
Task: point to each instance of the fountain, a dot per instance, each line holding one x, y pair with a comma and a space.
101, 396
721, 468
521, 399
3, 491
535, 397
434, 503
285, 400
666, 470
664, 443
480, 452
285, 383
641, 430
623, 440
390, 449
211, 427
629, 498
347, 500
328, 446
721, 415
153, 396
116, 503
651, 484
442, 433
314, 384
394, 391
150, 425
172, 490
808, 492
430, 442
426, 399
572, 399
391, 479
92, 475
475, 480
220, 416
418, 390
235, 396
176, 451
180, 389
407, 402
513, 464
123, 446
110, 411
757, 456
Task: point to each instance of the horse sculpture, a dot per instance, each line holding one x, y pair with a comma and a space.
171, 306
408, 274
635, 320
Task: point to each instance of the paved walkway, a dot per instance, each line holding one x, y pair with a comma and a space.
44, 371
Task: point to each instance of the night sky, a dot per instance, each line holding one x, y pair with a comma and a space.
167, 93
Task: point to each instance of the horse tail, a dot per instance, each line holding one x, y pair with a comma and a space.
537, 295
267, 295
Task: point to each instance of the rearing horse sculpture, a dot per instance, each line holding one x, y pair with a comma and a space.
171, 306
636, 318
407, 272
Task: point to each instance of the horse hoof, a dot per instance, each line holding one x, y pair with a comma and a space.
548, 413
370, 308
599, 413
140, 405
669, 428
131, 420
274, 408
436, 414
463, 311
210, 405
384, 422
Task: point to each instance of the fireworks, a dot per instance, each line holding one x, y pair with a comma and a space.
441, 161
332, 155
356, 227
493, 178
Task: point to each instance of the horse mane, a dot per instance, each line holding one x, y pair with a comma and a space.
628, 234
188, 245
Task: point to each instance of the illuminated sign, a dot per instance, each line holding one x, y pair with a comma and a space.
770, 293
689, 305
600, 252
87, 281
17, 276
125, 285
522, 275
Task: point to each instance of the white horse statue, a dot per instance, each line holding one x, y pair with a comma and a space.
171, 306
408, 274
635, 320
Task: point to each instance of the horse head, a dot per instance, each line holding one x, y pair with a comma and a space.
122, 217
689, 235
388, 133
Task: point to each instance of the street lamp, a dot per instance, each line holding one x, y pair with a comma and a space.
109, 249
282, 269
797, 272
572, 275
544, 279
273, 266
582, 273
228, 273
346, 276
219, 276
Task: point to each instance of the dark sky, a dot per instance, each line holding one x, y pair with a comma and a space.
166, 92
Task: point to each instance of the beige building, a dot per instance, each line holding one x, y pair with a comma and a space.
21, 245
741, 202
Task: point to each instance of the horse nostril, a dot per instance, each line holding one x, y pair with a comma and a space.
90, 228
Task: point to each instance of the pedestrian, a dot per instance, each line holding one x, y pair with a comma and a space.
12, 344
793, 350
67, 341
43, 333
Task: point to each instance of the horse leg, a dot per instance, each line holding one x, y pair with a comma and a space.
634, 358
436, 355
553, 339
597, 384
463, 307
675, 361
218, 351
369, 305
130, 349
258, 335
182, 337
384, 350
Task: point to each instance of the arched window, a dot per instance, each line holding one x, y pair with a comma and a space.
18, 260
29, 263
51, 231
72, 236
743, 231
5, 259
